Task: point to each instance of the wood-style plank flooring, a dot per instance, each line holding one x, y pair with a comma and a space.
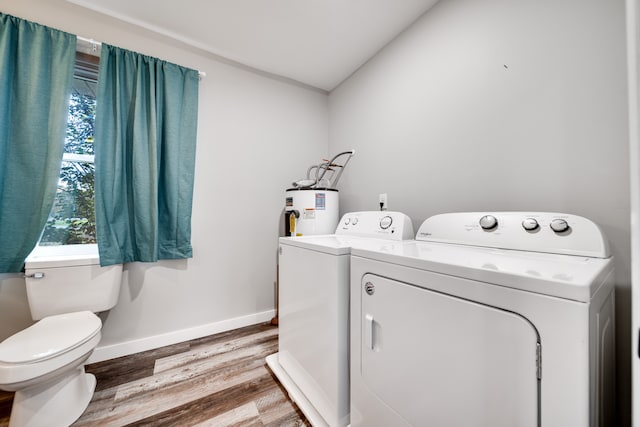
220, 380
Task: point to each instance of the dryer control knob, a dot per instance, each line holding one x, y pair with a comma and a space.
386, 222
559, 225
488, 222
530, 224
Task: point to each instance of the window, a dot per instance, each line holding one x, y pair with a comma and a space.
72, 217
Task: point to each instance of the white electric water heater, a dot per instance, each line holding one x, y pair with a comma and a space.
311, 206
310, 211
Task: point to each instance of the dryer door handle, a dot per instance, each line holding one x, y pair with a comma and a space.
371, 333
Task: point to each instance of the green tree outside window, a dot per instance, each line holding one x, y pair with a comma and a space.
72, 218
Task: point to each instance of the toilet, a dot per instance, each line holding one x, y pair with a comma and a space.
44, 363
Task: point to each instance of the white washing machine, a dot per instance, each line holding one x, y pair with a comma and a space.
487, 320
312, 362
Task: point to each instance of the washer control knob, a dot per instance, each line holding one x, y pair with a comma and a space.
488, 222
347, 220
530, 224
386, 222
559, 225
355, 221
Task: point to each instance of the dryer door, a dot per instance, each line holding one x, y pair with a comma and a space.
438, 360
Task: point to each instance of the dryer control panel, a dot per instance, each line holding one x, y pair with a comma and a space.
377, 224
527, 231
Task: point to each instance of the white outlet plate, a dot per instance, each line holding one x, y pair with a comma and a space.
382, 199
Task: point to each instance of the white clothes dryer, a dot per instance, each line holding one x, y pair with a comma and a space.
312, 362
486, 320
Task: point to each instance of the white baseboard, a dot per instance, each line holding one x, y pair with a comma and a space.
127, 348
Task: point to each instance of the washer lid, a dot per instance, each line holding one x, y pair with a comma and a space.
325, 243
333, 244
564, 276
49, 337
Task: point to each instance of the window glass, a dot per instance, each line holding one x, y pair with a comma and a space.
72, 217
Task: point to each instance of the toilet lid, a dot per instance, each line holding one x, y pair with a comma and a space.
49, 337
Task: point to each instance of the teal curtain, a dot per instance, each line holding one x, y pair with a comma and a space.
145, 132
36, 71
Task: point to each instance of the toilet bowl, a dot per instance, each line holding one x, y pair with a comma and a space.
44, 363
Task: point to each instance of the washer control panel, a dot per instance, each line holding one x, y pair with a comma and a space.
528, 231
377, 224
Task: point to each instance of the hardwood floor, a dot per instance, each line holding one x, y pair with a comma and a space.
220, 380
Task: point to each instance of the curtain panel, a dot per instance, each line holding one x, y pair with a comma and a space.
145, 132
36, 71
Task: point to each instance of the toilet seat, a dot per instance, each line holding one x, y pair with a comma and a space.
48, 345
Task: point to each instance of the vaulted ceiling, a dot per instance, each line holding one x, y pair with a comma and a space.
316, 42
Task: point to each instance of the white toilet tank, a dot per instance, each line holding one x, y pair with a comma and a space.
65, 279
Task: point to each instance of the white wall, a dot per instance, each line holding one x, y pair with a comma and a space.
255, 136
498, 105
14, 309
